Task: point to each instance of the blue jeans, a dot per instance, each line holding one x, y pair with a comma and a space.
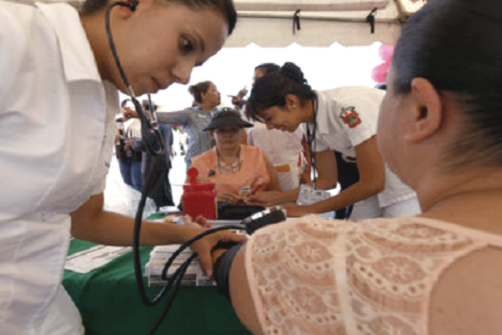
131, 173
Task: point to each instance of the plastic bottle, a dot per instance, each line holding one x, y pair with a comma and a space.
199, 198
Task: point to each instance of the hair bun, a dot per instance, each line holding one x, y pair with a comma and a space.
293, 72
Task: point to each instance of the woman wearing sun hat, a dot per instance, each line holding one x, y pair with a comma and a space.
236, 169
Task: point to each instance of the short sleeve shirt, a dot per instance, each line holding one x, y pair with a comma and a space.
56, 141
345, 118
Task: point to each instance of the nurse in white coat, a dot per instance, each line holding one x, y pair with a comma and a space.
342, 119
58, 99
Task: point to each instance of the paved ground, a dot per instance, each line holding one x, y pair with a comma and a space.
123, 199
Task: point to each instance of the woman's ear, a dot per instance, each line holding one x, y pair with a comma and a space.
426, 111
211, 133
292, 101
127, 11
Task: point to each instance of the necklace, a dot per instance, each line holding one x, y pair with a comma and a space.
226, 169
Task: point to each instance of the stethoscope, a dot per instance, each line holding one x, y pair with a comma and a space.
154, 144
150, 134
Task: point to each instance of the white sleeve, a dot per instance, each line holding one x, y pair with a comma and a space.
13, 45
358, 117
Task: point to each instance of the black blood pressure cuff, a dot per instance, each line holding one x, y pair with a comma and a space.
221, 269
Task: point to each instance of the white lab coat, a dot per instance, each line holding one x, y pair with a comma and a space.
56, 140
347, 117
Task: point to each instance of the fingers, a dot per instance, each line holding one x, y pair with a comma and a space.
231, 198
206, 263
202, 221
204, 247
231, 237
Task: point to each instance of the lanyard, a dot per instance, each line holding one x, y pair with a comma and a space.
311, 137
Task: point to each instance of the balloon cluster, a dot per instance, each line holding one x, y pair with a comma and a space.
379, 73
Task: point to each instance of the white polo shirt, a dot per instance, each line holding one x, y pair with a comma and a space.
56, 140
345, 118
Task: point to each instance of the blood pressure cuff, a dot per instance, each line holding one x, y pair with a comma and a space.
221, 269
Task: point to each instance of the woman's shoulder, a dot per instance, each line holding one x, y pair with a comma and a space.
249, 151
203, 158
412, 233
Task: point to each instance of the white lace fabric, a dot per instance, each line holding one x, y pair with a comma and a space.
318, 276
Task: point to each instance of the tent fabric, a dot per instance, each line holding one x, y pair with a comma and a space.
269, 23
323, 22
276, 32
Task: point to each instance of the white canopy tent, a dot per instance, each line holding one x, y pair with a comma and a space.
269, 23
264, 33
323, 22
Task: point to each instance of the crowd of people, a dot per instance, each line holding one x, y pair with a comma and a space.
420, 163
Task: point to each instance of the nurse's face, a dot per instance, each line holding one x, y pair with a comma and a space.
160, 43
285, 118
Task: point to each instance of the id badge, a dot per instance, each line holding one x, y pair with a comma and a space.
308, 195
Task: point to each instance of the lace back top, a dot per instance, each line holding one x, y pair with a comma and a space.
318, 276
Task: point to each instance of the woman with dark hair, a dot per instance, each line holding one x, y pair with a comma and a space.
57, 135
440, 131
205, 96
286, 151
343, 120
195, 119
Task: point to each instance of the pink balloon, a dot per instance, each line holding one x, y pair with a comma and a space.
385, 52
379, 73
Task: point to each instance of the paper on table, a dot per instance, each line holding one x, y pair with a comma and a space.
93, 258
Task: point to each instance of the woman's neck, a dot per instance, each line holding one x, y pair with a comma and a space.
472, 200
206, 107
310, 111
228, 155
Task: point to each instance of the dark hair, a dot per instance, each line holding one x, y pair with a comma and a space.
224, 7
268, 67
457, 46
124, 102
197, 90
271, 90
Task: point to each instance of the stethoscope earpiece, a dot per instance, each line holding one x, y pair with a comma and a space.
132, 5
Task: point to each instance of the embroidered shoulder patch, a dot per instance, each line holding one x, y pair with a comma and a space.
350, 116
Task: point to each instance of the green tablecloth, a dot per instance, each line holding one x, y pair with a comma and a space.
110, 304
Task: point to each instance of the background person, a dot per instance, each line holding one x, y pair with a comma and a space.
158, 168
57, 136
237, 170
129, 160
195, 119
440, 130
343, 119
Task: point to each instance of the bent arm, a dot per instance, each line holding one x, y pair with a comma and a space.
326, 169
90, 222
371, 181
180, 117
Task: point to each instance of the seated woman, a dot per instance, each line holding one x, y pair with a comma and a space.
440, 273
237, 170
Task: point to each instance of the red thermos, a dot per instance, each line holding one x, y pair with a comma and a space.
199, 198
